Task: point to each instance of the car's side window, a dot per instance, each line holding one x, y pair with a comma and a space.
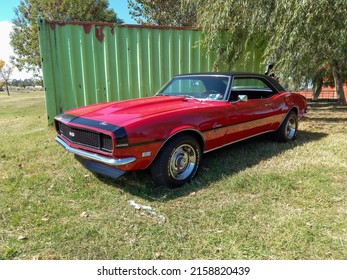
254, 88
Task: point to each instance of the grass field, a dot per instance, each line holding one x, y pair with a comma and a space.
253, 200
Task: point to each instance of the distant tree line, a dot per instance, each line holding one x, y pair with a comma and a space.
26, 83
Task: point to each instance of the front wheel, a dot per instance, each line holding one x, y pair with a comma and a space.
177, 162
288, 129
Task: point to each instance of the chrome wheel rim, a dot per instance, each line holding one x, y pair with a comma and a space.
291, 128
183, 161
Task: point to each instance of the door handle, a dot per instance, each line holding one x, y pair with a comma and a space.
269, 104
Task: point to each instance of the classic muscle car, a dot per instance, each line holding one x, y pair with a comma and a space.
191, 115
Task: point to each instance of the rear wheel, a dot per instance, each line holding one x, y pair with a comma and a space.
288, 129
177, 162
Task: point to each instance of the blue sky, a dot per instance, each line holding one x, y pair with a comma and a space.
119, 6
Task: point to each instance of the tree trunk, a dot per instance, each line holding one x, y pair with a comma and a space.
317, 87
338, 82
8, 92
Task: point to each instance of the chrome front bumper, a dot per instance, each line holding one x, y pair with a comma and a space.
95, 157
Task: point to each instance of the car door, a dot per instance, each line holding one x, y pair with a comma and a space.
251, 117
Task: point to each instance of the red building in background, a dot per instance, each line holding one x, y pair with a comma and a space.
328, 93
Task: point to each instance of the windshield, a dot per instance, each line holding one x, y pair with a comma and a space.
201, 87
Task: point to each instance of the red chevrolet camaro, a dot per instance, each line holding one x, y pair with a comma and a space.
191, 115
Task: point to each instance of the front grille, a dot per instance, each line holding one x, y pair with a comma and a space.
83, 137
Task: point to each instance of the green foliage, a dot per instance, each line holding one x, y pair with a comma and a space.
163, 12
302, 37
24, 36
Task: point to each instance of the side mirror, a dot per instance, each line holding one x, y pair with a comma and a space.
242, 98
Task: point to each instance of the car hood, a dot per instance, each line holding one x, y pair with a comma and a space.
124, 112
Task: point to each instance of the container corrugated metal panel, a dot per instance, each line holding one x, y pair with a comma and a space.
85, 63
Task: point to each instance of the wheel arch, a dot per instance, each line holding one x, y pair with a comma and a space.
197, 135
295, 110
188, 131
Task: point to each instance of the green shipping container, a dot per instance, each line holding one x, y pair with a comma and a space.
85, 63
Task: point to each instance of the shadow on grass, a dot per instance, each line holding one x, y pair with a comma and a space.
214, 165
325, 119
320, 104
324, 106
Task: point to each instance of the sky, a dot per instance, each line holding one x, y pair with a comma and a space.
7, 14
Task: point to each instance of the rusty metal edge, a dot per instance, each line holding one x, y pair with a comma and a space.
112, 24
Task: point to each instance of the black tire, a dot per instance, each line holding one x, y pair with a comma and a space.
288, 129
177, 162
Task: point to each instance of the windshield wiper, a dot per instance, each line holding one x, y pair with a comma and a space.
188, 96
184, 95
